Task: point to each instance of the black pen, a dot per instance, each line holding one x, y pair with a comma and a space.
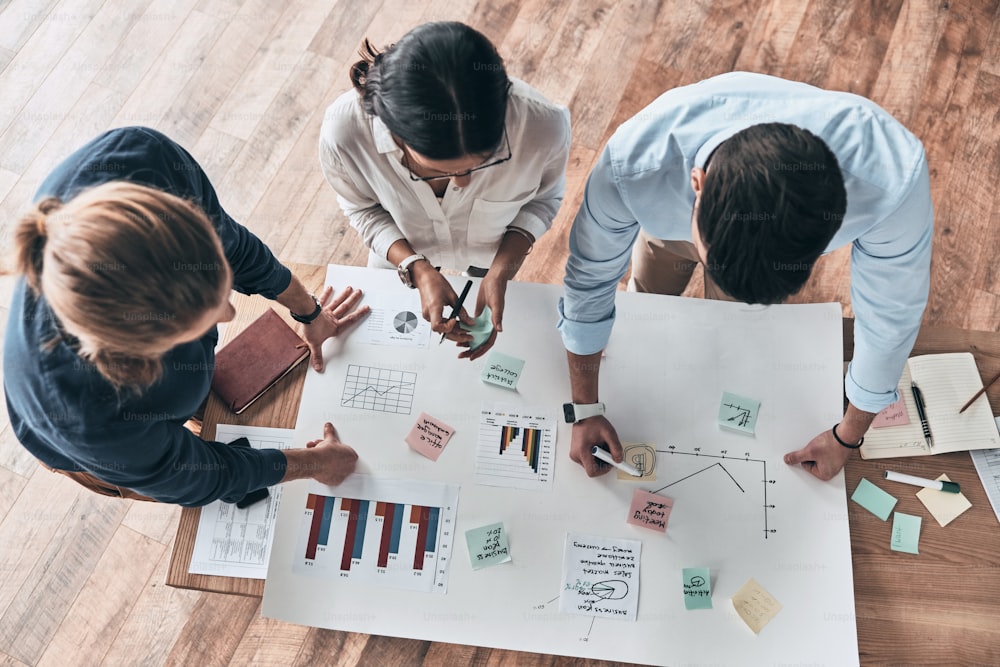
918, 398
457, 308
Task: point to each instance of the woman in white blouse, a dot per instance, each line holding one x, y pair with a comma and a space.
440, 160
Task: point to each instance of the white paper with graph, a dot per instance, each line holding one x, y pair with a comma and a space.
737, 508
516, 447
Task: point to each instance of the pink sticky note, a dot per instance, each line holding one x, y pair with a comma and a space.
894, 415
650, 510
429, 436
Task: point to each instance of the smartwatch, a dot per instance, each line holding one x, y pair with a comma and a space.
306, 319
404, 269
574, 412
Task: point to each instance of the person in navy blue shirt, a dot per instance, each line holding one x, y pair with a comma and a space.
127, 261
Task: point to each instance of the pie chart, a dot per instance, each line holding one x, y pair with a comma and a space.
405, 322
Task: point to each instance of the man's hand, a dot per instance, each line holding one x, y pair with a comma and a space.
823, 457
333, 460
337, 316
594, 431
492, 293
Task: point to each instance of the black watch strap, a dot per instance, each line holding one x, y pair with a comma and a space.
306, 319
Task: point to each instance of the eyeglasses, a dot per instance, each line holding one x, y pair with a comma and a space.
414, 177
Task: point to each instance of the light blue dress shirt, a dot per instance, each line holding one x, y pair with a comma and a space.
642, 180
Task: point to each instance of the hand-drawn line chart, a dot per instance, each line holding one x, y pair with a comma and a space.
378, 389
717, 465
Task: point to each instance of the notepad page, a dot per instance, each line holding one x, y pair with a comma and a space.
947, 382
904, 440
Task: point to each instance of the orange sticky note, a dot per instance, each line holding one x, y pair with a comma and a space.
429, 436
650, 510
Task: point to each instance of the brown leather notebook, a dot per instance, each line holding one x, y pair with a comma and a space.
255, 360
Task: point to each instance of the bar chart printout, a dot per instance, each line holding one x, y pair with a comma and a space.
516, 447
391, 533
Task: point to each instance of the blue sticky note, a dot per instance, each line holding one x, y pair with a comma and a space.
481, 329
697, 588
487, 546
738, 413
502, 370
873, 499
905, 533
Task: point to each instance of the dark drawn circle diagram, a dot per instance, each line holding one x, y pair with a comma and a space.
405, 322
613, 589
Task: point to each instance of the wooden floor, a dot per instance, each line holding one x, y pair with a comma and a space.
243, 84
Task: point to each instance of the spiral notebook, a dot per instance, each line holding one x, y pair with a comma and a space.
946, 381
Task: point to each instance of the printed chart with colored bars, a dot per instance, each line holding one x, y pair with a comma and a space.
515, 448
391, 533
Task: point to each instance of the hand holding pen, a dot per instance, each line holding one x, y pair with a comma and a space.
457, 308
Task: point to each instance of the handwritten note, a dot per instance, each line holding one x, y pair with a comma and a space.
487, 546
600, 576
894, 415
873, 499
944, 507
642, 457
429, 436
905, 533
481, 329
738, 413
755, 605
697, 588
502, 370
650, 510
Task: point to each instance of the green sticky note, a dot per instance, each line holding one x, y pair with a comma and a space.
738, 413
487, 546
481, 329
905, 532
697, 588
873, 499
502, 370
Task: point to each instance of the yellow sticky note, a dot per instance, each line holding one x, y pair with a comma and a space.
944, 506
755, 605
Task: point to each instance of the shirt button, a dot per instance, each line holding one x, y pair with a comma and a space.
456, 189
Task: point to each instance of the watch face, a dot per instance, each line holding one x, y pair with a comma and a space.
568, 413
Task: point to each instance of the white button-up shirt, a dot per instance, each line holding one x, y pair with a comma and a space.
643, 180
465, 226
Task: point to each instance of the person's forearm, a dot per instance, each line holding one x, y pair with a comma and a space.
297, 298
510, 255
584, 371
855, 424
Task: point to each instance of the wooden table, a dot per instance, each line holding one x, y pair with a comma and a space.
942, 606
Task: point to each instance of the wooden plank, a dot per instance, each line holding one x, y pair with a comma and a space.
104, 603
320, 645
269, 68
772, 34
60, 570
13, 456
157, 521
143, 46
21, 18
10, 661
154, 622
11, 486
213, 630
54, 98
342, 31
523, 47
270, 642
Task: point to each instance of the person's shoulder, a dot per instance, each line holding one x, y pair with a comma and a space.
343, 120
529, 105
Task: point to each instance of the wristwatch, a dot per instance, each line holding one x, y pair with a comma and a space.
574, 412
404, 269
306, 319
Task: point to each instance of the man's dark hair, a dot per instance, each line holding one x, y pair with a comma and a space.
772, 200
442, 89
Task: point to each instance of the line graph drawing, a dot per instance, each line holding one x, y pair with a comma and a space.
378, 389
725, 455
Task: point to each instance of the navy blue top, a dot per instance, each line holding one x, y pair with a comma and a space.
69, 417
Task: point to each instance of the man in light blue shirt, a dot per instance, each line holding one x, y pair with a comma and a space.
747, 174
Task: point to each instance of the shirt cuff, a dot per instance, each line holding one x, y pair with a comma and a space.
584, 337
530, 223
384, 239
862, 399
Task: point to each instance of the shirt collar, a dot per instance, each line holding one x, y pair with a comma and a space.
383, 137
